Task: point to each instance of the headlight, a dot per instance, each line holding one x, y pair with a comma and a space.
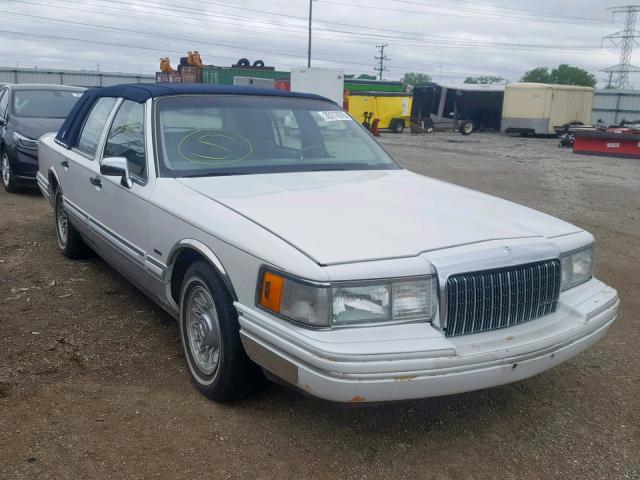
349, 303
577, 267
25, 142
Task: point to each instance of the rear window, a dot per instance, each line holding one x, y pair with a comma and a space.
44, 103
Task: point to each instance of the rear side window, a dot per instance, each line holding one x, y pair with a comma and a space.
94, 125
4, 102
126, 138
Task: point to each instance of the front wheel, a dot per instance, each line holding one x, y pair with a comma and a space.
467, 128
210, 334
8, 180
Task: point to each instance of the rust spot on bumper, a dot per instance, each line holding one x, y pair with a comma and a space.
408, 378
357, 399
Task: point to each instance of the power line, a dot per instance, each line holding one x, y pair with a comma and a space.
382, 58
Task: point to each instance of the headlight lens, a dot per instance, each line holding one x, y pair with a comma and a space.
577, 267
25, 142
396, 301
295, 300
345, 304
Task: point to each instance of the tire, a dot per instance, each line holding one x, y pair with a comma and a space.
210, 335
7, 176
467, 127
398, 126
69, 240
258, 63
243, 62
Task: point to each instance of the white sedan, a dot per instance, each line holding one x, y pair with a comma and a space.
285, 240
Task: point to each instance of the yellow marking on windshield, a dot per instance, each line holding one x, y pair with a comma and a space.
209, 159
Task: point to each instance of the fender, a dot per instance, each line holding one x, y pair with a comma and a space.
206, 252
52, 172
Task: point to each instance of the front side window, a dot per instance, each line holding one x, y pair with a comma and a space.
208, 135
94, 125
44, 103
126, 138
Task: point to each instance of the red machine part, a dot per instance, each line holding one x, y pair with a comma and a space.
375, 127
613, 142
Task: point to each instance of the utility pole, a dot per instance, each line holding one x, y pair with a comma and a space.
625, 39
309, 51
381, 68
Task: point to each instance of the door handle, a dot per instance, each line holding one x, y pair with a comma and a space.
96, 181
64, 163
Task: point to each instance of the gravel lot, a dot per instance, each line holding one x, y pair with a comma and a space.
93, 384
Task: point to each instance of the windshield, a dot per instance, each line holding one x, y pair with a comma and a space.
207, 135
44, 103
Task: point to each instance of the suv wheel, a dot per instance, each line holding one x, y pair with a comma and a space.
210, 334
7, 176
69, 240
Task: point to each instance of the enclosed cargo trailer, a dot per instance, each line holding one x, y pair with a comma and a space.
462, 107
326, 82
391, 108
544, 109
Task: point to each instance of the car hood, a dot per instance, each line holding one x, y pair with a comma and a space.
340, 217
36, 127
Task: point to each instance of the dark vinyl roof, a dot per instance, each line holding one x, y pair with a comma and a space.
141, 92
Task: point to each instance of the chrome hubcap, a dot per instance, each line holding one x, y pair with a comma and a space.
468, 127
203, 330
62, 221
6, 173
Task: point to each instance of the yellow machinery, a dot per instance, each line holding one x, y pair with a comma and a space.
392, 108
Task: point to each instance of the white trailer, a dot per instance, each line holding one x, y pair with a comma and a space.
327, 82
543, 109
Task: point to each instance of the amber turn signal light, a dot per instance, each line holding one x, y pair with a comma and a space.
271, 291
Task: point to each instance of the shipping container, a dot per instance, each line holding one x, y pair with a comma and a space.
168, 77
283, 84
613, 106
393, 109
543, 109
326, 82
225, 76
362, 85
190, 74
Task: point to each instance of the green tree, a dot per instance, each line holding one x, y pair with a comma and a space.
415, 78
537, 75
484, 79
564, 75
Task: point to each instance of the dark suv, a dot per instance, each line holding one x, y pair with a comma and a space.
26, 113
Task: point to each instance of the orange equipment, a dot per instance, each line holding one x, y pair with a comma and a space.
194, 59
165, 65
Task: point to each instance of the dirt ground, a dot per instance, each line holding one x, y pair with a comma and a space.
93, 384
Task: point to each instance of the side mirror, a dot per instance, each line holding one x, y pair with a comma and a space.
116, 167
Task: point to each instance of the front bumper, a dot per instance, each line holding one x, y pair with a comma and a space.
399, 362
25, 166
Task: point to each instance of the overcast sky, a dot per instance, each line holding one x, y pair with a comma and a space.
448, 39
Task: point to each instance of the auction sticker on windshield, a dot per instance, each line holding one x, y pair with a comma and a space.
335, 116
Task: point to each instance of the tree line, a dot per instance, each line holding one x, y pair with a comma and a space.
563, 74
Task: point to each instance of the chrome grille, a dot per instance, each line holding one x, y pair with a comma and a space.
491, 299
